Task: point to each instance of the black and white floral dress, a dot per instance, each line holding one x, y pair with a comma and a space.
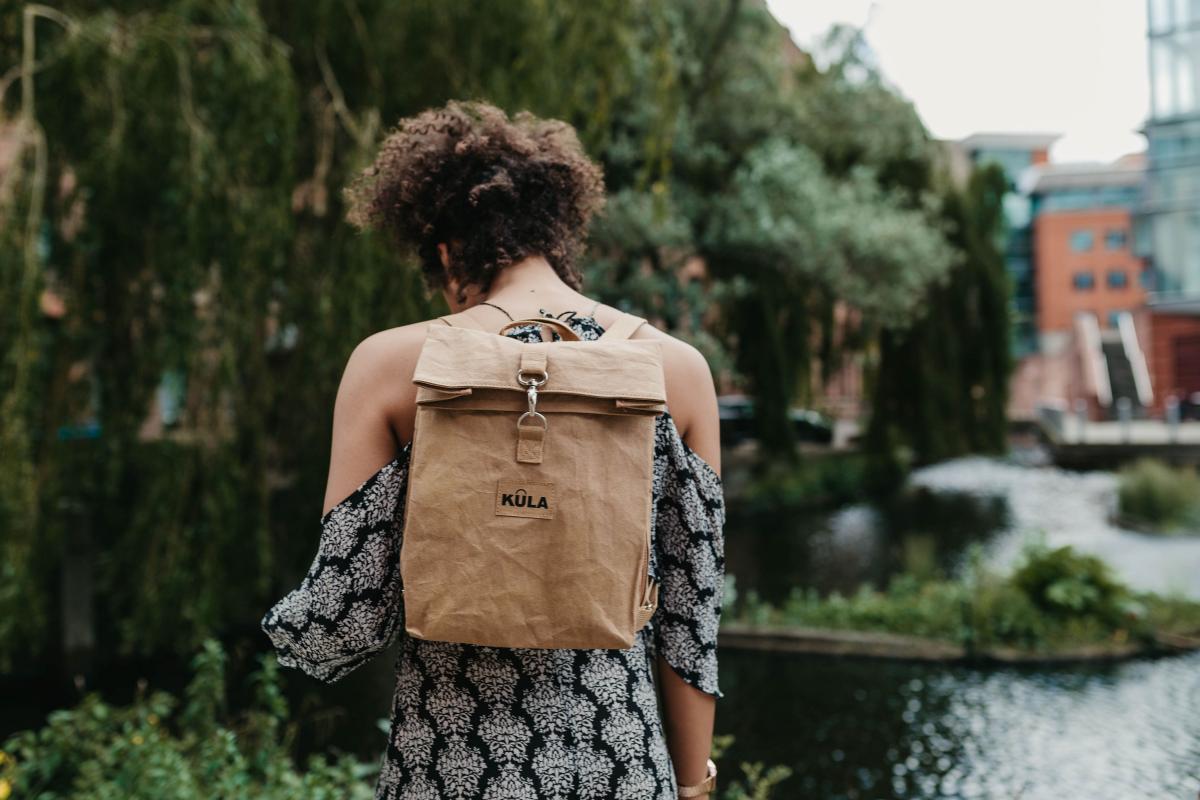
496, 723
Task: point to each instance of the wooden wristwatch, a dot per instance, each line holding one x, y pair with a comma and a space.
705, 786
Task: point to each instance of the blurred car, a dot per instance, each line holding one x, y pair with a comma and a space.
736, 412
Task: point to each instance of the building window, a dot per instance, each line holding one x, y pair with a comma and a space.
1083, 280
1081, 240
1146, 279
1118, 279
1115, 238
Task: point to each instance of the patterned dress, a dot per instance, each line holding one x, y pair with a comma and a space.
471, 721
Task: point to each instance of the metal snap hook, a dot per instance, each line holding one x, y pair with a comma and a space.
521, 379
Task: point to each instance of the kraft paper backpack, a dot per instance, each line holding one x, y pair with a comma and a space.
528, 514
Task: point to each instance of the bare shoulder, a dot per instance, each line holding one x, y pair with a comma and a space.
680, 359
386, 356
691, 393
386, 346
378, 376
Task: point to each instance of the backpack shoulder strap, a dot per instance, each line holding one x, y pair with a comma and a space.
623, 327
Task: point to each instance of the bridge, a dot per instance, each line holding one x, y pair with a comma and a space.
1078, 443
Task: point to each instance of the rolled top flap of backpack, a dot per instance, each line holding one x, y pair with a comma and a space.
456, 361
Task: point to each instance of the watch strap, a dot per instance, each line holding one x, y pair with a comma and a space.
706, 786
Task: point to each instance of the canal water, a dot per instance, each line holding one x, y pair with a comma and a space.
873, 729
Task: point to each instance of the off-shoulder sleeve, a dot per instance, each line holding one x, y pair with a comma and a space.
689, 559
348, 607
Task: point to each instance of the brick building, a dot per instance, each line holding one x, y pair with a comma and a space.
1082, 245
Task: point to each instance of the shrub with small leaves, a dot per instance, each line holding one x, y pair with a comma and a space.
1156, 496
147, 751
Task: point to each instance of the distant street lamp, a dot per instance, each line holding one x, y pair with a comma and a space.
1172, 415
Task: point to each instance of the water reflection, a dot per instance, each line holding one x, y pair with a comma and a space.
1069, 508
918, 530
868, 729
944, 508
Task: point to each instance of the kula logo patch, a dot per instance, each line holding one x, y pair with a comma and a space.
525, 499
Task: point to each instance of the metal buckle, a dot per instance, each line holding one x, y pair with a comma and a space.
535, 415
531, 394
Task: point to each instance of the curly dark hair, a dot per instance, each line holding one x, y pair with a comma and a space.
495, 190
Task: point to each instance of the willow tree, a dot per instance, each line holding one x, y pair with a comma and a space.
942, 386
164, 142
177, 186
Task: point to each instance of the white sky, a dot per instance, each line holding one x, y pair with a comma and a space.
1072, 67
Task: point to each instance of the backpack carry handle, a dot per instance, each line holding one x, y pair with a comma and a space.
567, 333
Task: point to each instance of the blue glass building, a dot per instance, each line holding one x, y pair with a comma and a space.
1167, 222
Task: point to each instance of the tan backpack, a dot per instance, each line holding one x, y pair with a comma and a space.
528, 516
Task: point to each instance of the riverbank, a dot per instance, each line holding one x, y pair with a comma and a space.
897, 647
1058, 605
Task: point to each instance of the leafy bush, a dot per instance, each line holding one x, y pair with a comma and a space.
154, 750
1001, 614
933, 609
1065, 583
1153, 494
759, 780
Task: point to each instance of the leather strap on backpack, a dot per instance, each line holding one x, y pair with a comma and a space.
461, 320
564, 330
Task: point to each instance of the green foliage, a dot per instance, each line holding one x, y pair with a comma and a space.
1156, 496
942, 385
176, 183
805, 220
148, 751
1065, 584
759, 781
1055, 599
152, 750
792, 214
816, 482
170, 138
841, 109
804, 230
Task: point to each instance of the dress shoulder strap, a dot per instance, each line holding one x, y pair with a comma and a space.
461, 320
